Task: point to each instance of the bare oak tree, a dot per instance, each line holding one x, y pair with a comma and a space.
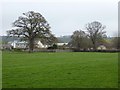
95, 32
30, 26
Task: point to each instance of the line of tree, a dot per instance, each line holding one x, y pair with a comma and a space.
116, 42
79, 40
95, 34
32, 26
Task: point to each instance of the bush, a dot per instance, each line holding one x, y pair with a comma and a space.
54, 46
17, 49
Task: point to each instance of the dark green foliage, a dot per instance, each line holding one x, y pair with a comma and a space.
17, 49
54, 46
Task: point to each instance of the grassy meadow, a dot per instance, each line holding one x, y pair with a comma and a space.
60, 70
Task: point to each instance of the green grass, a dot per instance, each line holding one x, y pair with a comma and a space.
60, 70
0, 70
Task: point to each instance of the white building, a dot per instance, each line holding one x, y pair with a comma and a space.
61, 44
40, 45
101, 47
18, 44
24, 44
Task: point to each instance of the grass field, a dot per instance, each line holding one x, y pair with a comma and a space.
60, 70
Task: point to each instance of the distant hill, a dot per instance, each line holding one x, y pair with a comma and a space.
7, 39
64, 39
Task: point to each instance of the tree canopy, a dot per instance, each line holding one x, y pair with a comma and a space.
79, 39
95, 32
30, 26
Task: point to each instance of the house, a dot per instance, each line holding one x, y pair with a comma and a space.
24, 44
61, 44
18, 44
40, 45
101, 47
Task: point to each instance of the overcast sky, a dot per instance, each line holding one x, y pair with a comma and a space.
64, 16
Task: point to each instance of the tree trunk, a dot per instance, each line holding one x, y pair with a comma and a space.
94, 43
94, 46
78, 46
31, 45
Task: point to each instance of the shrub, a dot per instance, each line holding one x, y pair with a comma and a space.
54, 46
17, 49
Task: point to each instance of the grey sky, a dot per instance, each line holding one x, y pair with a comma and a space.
65, 17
